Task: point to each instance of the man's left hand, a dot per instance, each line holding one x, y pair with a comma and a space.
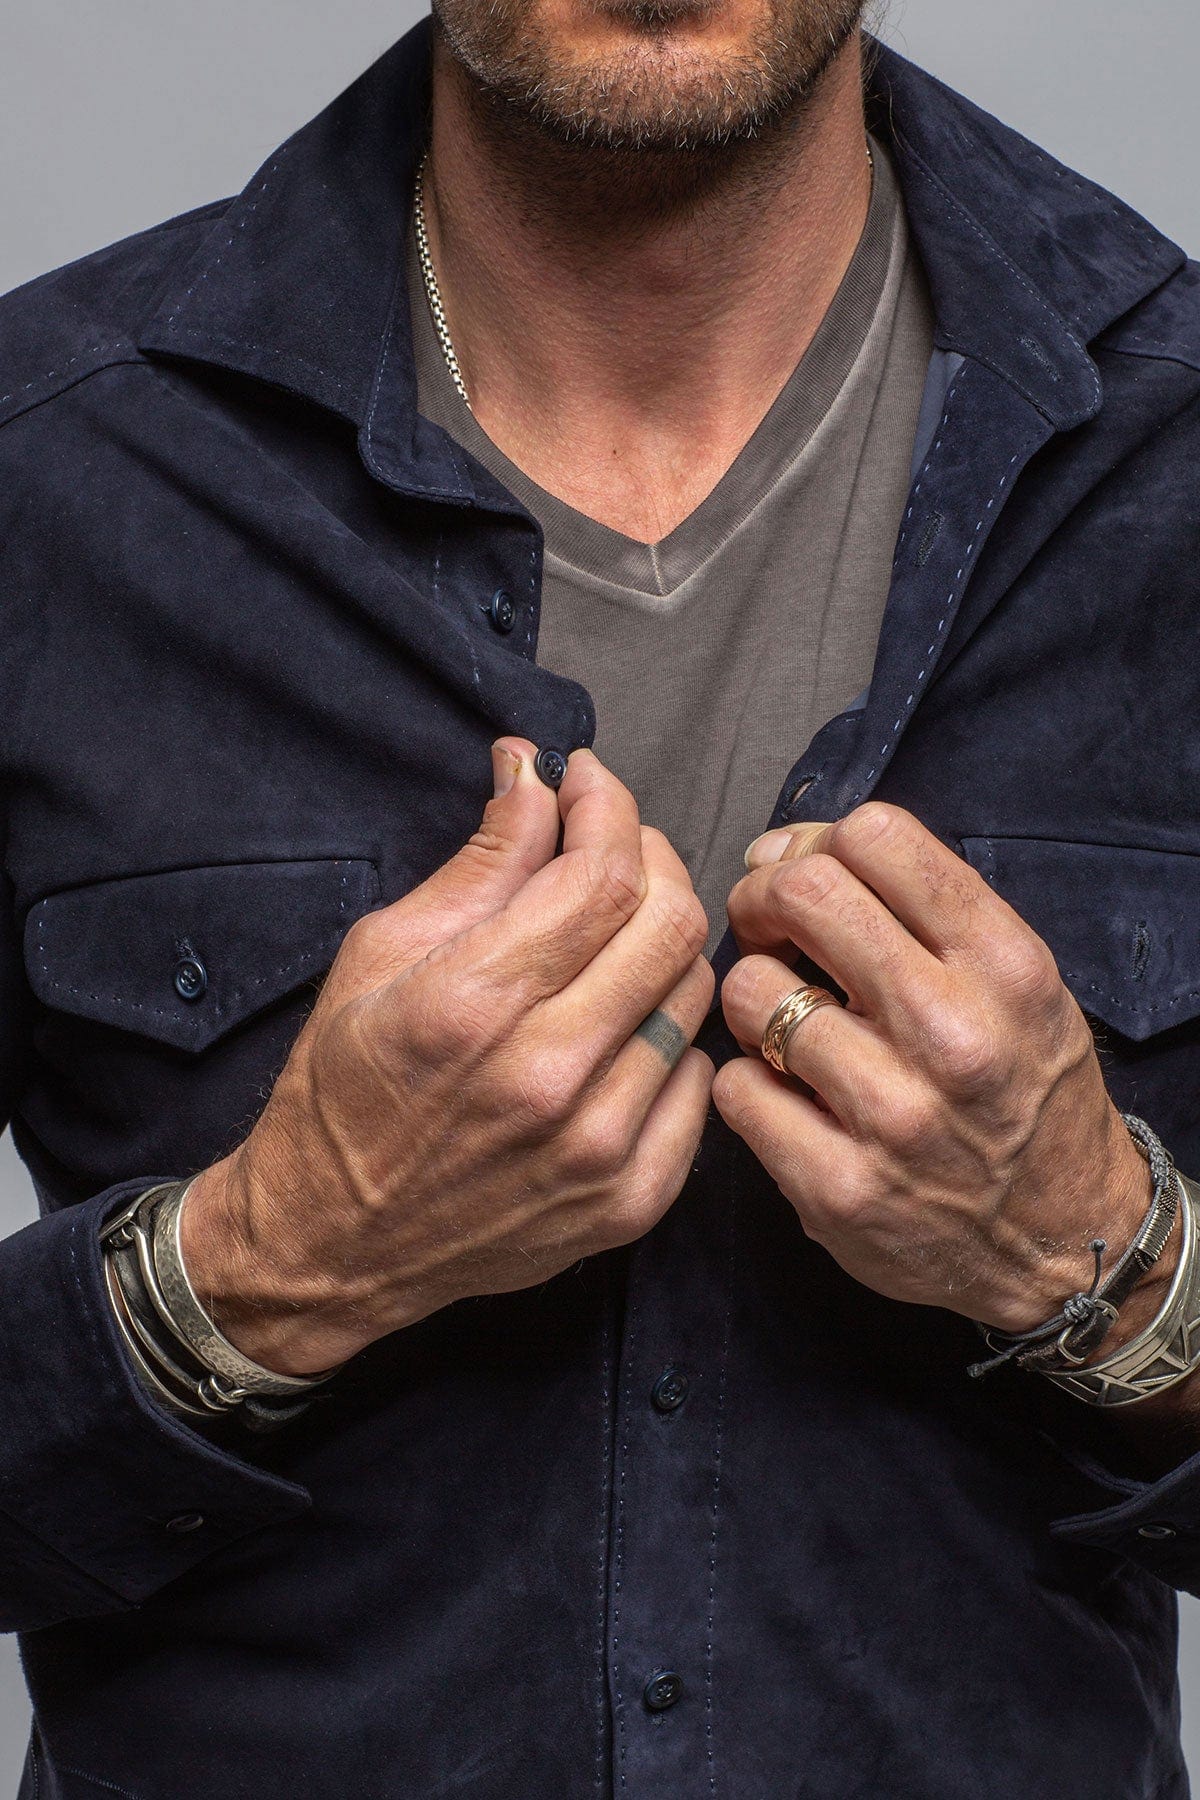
948, 1136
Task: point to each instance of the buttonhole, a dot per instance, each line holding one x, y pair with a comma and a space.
1141, 949
929, 538
1039, 355
801, 788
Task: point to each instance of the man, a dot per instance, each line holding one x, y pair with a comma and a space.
536, 1363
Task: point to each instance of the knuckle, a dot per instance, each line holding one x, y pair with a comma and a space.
654, 839
966, 1051
600, 1146
1029, 973
365, 933
548, 1091
632, 1214
448, 1019
680, 922
613, 878
910, 1120
850, 1205
810, 881
743, 984
874, 822
373, 944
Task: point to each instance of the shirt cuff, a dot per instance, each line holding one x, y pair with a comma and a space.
1154, 1523
92, 1470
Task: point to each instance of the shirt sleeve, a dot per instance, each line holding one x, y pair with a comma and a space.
1154, 1523
104, 1496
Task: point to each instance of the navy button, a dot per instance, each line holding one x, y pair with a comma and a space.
670, 1390
551, 765
1157, 1532
185, 1522
663, 1689
503, 610
191, 978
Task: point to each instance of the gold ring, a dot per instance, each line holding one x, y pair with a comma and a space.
792, 1010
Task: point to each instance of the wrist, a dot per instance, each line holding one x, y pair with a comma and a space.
1064, 1345
277, 1317
1106, 1199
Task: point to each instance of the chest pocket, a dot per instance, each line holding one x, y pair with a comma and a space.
186, 955
1123, 923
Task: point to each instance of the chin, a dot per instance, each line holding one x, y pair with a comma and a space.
648, 74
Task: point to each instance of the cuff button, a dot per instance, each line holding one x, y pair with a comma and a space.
1158, 1533
184, 1522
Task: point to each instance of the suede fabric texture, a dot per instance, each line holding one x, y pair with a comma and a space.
247, 692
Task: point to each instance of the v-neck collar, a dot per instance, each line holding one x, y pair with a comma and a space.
788, 427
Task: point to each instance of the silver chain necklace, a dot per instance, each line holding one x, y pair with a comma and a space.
434, 293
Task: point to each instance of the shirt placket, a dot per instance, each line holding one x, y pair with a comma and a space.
672, 1482
667, 1511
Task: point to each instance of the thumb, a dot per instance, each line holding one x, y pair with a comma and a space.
783, 843
517, 836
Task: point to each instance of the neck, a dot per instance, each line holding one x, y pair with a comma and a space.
623, 320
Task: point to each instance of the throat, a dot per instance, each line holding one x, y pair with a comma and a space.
643, 483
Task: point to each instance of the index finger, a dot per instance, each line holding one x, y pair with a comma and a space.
933, 893
564, 915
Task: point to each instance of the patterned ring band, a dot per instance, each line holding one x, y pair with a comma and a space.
792, 1010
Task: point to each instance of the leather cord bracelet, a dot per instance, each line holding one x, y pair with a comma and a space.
1085, 1319
176, 1348
1168, 1350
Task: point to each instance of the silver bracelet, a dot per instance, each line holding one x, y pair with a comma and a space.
164, 1380
196, 1327
176, 1348
1168, 1350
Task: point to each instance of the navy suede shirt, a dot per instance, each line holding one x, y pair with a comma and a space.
251, 670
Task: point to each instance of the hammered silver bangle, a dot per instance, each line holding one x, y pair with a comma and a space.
1168, 1350
194, 1325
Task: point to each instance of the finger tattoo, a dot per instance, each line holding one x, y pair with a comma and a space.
660, 1030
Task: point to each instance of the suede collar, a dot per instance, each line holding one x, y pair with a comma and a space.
301, 281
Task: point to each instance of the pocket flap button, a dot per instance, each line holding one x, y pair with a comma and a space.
191, 978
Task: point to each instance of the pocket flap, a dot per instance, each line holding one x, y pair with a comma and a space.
184, 955
1123, 923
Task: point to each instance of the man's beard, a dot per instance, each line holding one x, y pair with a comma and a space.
656, 94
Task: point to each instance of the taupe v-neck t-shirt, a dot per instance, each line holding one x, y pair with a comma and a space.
714, 655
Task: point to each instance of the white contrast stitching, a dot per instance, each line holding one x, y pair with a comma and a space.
217, 1009
989, 243
950, 599
53, 374
214, 264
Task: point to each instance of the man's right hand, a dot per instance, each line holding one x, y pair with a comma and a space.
469, 1108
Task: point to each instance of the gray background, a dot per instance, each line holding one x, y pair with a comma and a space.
116, 114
